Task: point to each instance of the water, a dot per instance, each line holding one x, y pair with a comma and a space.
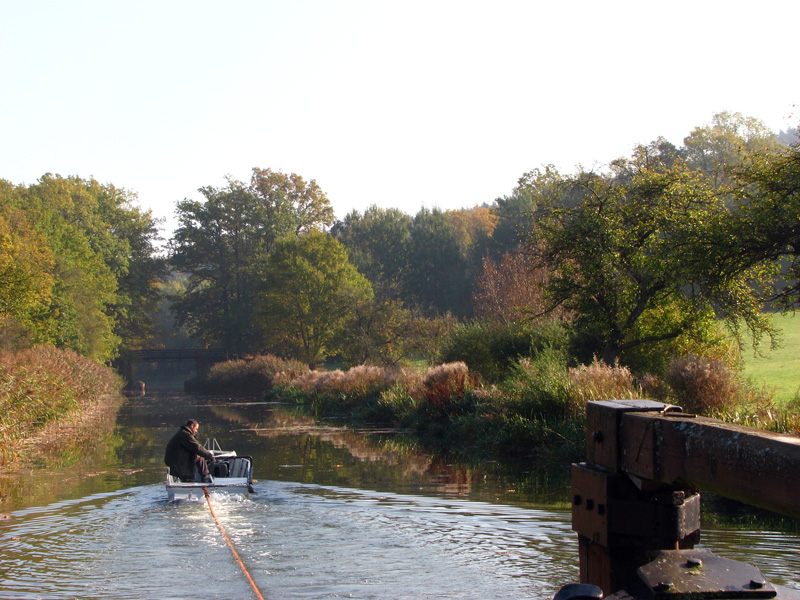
336, 515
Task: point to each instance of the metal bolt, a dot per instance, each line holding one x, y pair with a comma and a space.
693, 563
576, 499
597, 436
757, 584
663, 586
589, 504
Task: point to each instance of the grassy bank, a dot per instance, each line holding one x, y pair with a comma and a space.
778, 369
50, 401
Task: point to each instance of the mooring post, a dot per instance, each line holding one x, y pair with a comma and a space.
621, 520
636, 506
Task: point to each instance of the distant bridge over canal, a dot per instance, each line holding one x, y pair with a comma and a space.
204, 358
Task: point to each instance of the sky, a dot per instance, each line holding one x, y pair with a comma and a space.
406, 105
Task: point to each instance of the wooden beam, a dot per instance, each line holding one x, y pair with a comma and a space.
757, 467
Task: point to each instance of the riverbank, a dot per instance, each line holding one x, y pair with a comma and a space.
53, 404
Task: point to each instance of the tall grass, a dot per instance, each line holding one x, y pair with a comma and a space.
41, 385
249, 376
538, 411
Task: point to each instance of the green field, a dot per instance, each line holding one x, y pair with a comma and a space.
778, 369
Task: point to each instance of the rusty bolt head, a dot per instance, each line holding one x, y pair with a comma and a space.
663, 586
693, 563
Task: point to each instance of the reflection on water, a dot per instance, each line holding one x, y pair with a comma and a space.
337, 513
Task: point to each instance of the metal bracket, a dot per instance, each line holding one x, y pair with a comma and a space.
698, 574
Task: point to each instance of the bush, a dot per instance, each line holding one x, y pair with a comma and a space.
541, 388
703, 385
598, 381
491, 349
254, 376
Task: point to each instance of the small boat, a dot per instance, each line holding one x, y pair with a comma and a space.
229, 473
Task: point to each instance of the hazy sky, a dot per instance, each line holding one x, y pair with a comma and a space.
400, 104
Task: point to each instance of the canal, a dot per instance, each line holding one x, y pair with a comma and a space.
337, 514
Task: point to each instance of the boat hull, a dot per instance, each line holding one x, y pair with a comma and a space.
230, 473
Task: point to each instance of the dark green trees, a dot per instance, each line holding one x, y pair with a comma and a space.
310, 295
222, 244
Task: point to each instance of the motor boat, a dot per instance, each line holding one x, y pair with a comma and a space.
229, 473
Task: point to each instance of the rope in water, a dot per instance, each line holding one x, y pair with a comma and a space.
230, 545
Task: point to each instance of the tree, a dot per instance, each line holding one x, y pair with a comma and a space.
222, 244
105, 268
725, 143
377, 243
631, 254
435, 278
65, 212
289, 202
309, 294
514, 213
766, 226
26, 282
511, 291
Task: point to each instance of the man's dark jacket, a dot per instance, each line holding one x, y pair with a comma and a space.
181, 452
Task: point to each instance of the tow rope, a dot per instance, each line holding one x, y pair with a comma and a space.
230, 545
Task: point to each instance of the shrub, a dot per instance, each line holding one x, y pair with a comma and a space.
254, 376
703, 385
445, 384
359, 389
598, 381
490, 349
541, 388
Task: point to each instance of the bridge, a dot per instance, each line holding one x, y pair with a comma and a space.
204, 358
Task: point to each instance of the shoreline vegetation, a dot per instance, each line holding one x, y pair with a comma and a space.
52, 403
535, 413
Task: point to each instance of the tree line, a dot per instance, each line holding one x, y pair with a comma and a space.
642, 260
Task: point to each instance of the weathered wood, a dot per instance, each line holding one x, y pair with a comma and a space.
602, 424
753, 466
636, 494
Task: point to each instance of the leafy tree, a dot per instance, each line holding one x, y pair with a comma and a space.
137, 265
310, 292
377, 243
65, 211
631, 254
511, 291
381, 332
514, 213
289, 202
222, 243
725, 143
436, 276
105, 266
26, 282
766, 226
473, 229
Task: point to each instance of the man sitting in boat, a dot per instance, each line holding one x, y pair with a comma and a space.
184, 454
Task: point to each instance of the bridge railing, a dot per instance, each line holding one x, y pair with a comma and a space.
176, 354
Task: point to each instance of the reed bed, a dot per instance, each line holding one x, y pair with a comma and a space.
43, 385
